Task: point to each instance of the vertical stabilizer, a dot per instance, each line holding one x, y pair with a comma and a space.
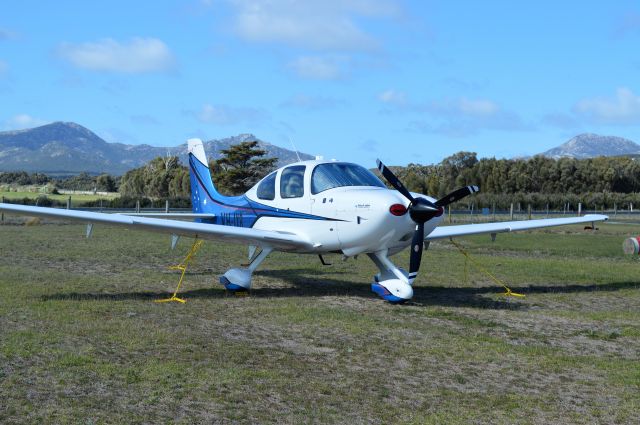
196, 148
205, 199
202, 189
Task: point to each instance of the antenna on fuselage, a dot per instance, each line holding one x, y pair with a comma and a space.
294, 148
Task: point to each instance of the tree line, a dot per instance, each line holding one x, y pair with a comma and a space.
602, 182
240, 167
82, 181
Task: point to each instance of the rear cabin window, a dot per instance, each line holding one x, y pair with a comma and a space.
338, 174
267, 188
292, 182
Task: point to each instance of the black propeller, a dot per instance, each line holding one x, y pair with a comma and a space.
422, 210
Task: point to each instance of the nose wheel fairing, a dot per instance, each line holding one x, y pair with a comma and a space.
392, 283
393, 290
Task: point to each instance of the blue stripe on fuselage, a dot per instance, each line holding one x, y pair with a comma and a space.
237, 211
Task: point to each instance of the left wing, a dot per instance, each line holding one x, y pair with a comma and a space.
180, 216
509, 226
279, 240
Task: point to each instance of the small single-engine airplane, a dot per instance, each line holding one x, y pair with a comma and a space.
312, 207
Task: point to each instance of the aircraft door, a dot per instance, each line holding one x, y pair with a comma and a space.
292, 191
327, 228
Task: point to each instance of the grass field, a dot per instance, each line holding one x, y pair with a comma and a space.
76, 199
82, 342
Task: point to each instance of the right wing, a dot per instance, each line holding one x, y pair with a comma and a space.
280, 240
508, 226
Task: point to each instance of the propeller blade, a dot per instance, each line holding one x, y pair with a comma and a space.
456, 195
416, 252
393, 180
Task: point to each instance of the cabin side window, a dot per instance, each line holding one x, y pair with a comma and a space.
267, 188
292, 182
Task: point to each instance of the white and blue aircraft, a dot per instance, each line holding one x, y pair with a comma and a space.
312, 207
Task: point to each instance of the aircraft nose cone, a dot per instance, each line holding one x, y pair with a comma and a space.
422, 210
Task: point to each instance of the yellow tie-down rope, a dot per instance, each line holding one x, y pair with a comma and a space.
183, 267
507, 291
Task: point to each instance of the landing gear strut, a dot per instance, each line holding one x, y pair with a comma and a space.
392, 283
239, 279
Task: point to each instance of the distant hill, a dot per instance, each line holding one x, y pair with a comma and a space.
591, 145
69, 148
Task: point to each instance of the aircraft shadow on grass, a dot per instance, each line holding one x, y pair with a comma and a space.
305, 282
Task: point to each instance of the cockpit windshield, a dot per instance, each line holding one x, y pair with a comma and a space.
337, 174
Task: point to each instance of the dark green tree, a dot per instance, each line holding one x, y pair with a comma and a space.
180, 184
82, 181
160, 178
132, 183
240, 167
106, 183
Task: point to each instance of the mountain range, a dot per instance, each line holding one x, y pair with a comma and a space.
69, 148
590, 145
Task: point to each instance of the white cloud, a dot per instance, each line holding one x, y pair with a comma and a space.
478, 108
464, 117
453, 117
393, 97
229, 115
320, 25
457, 107
319, 67
623, 109
136, 56
22, 121
303, 101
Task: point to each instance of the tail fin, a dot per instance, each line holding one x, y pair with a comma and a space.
205, 199
202, 187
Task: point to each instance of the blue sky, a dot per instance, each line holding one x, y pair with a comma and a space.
405, 81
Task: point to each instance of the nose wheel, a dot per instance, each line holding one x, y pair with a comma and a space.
421, 210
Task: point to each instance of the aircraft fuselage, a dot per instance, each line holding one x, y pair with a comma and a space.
357, 220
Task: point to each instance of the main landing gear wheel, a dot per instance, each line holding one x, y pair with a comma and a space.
239, 279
